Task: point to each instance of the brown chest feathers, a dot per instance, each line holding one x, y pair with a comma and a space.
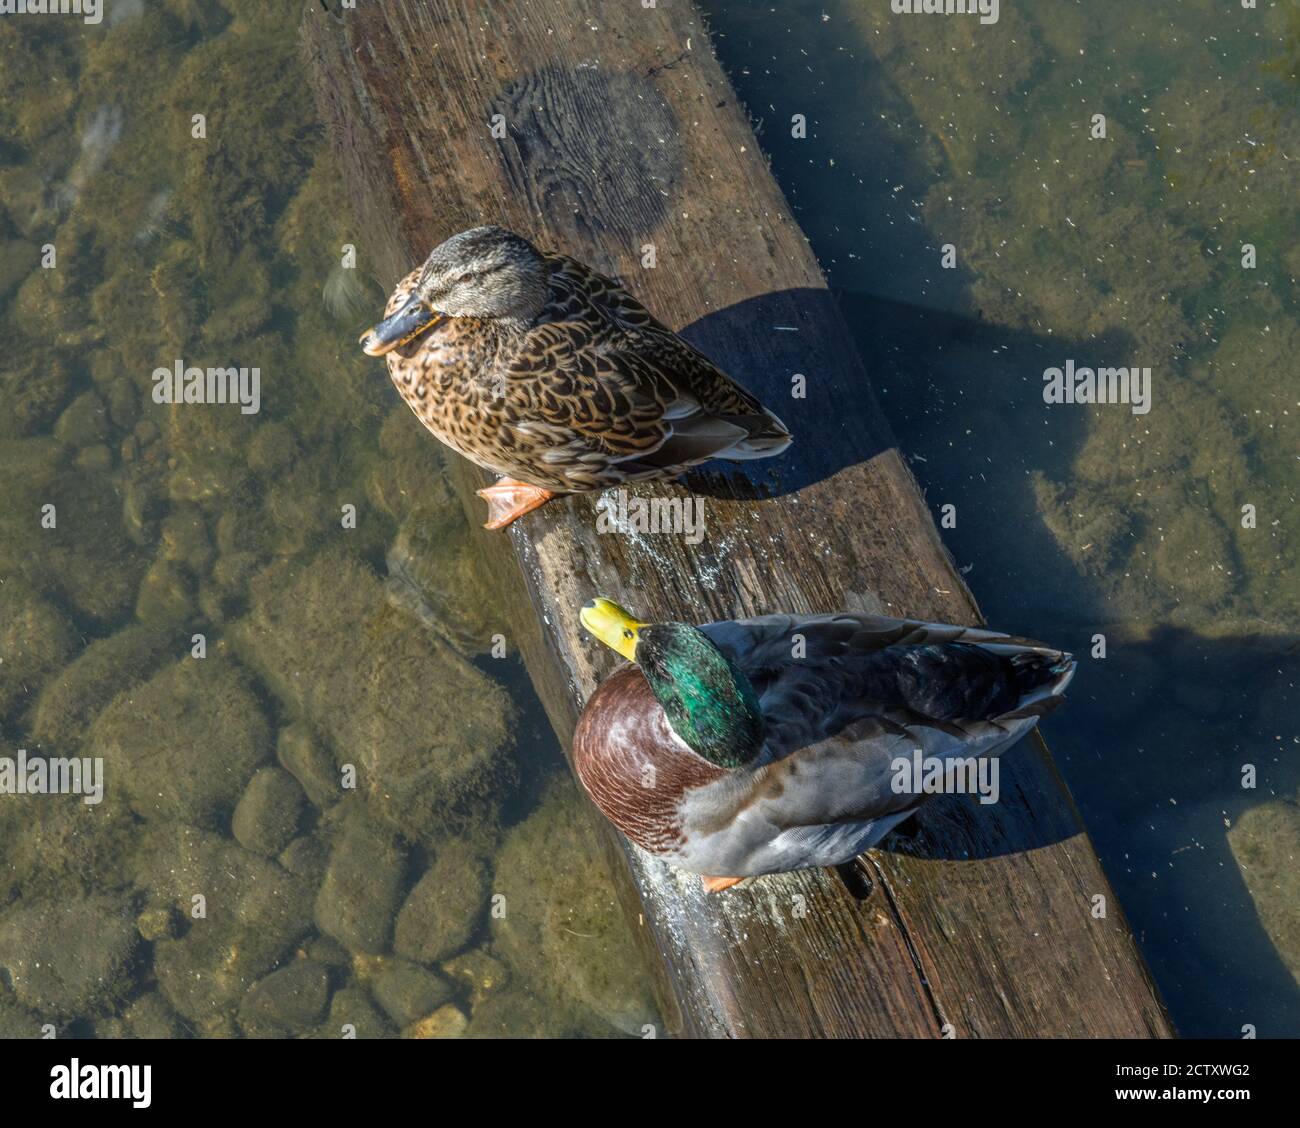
633, 767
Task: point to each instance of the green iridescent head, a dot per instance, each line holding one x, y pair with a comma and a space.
710, 704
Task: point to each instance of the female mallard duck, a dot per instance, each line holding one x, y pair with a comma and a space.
765, 745
538, 368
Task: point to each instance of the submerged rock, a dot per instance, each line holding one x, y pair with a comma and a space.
17, 1022
186, 743
84, 423
428, 732
435, 574
1265, 841
71, 700
359, 897
445, 1022
518, 1013
287, 1002
408, 991
563, 931
166, 595
353, 1014
149, 1016
267, 816
62, 846
307, 856
303, 757
434, 570
478, 974
34, 385
442, 912
35, 640
68, 958
86, 557
253, 914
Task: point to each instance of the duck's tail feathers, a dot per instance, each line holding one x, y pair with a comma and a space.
766, 437
1042, 674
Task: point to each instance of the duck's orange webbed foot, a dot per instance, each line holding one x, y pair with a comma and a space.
718, 884
509, 500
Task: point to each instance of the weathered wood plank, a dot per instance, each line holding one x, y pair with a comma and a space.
622, 132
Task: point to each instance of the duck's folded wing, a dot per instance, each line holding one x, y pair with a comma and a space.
829, 799
946, 689
594, 406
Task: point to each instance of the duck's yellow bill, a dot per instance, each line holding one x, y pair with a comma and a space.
399, 329
610, 623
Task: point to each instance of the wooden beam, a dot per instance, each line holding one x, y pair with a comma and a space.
617, 133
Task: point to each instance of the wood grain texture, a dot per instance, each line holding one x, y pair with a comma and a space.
621, 132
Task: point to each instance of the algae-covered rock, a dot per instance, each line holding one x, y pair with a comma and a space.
186, 743
62, 846
307, 856
252, 913
166, 595
206, 442
1193, 558
410, 475
304, 758
157, 923
34, 386
150, 1016
517, 1013
184, 537
477, 974
363, 885
352, 1014
434, 569
436, 575
142, 501
17, 1022
84, 423
1092, 531
272, 448
35, 640
327, 950
428, 732
1265, 842
72, 699
77, 549
563, 930
408, 992
286, 1002
442, 912
268, 814
445, 1022
68, 957
95, 459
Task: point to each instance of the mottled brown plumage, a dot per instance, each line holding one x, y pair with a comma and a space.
585, 391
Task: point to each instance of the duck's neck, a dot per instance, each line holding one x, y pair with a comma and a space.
711, 705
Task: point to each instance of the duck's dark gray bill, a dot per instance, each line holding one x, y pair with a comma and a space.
403, 326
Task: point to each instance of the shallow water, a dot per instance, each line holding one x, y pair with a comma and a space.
328, 805
1081, 520
232, 882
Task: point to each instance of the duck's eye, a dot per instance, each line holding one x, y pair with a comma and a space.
627, 634
468, 276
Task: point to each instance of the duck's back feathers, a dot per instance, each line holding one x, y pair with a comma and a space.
620, 397
817, 674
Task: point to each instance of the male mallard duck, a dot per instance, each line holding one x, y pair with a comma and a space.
764, 745
538, 368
